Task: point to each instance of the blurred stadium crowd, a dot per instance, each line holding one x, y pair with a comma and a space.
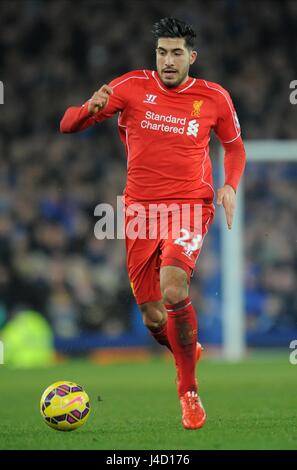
56, 54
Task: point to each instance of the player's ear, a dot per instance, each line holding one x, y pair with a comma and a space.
193, 57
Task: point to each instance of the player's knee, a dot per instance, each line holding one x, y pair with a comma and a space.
174, 294
150, 323
174, 284
152, 315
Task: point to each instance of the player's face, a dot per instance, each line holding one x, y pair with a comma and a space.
173, 61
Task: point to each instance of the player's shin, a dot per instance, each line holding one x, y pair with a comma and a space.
182, 335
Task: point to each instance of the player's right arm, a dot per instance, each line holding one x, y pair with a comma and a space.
104, 103
99, 100
78, 118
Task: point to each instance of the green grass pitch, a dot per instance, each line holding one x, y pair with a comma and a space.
249, 405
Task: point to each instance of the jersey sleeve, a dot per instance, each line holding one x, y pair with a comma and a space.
77, 118
121, 87
227, 127
234, 162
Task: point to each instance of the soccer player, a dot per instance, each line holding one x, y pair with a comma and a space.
165, 120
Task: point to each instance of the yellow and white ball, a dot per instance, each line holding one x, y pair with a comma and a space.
65, 406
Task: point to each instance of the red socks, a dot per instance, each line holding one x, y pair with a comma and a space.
160, 335
182, 336
179, 334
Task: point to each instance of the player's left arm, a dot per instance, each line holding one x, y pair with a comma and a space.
228, 131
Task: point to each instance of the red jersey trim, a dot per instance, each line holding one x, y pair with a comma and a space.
126, 136
230, 107
202, 179
128, 78
192, 83
167, 91
164, 89
229, 141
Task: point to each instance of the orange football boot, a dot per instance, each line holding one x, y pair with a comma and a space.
193, 413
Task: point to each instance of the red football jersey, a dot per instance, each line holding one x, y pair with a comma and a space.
166, 133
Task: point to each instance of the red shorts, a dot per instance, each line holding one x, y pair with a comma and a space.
150, 246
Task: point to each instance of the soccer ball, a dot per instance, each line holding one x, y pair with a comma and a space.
65, 406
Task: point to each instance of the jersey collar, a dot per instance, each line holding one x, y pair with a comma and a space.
178, 89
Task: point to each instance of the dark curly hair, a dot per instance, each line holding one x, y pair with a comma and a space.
173, 28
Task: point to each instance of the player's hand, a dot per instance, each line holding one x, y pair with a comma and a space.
99, 99
226, 196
